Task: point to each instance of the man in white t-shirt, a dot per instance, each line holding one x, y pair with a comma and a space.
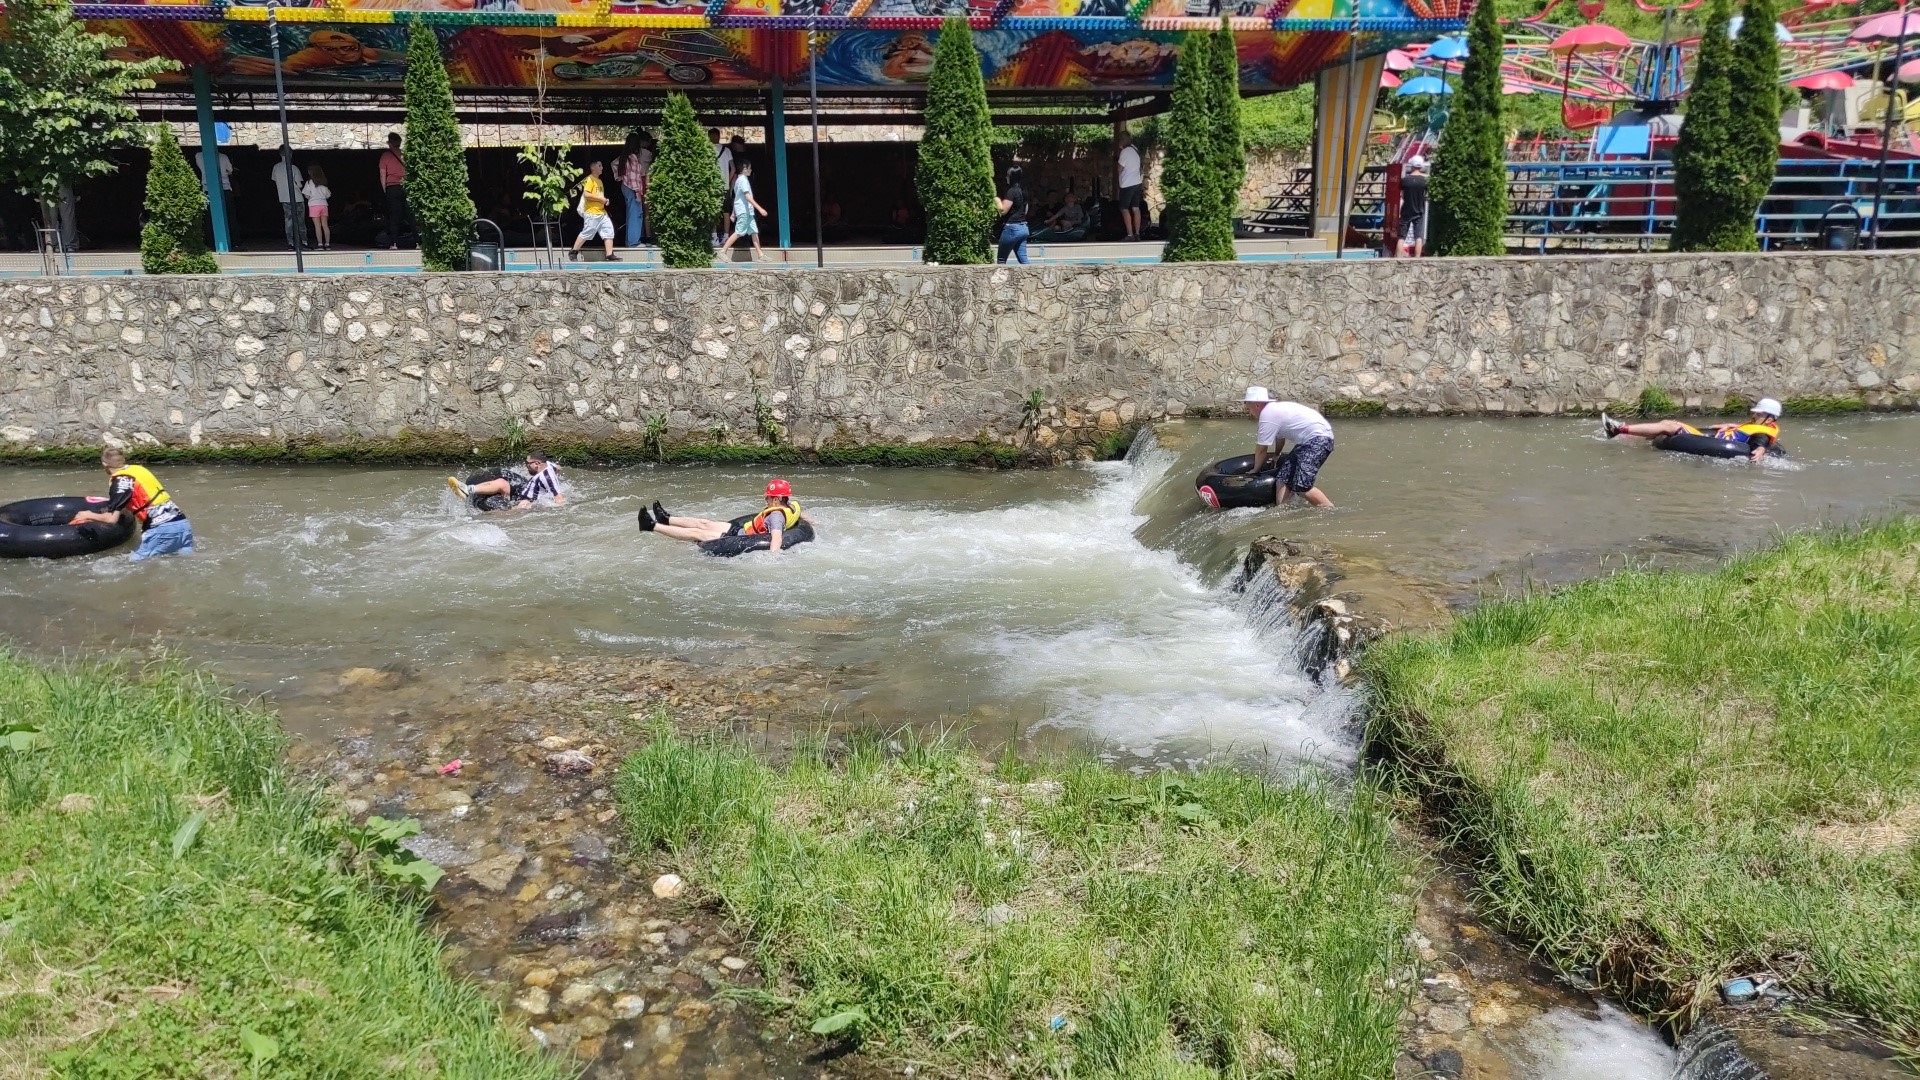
1132, 184
226, 183
1290, 422
286, 182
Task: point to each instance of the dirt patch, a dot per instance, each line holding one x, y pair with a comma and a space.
1892, 831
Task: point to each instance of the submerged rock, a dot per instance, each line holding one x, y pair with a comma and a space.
495, 874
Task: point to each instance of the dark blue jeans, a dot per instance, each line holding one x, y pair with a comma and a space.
1013, 239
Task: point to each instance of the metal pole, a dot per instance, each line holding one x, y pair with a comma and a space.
1886, 132
777, 142
286, 140
813, 102
210, 158
1346, 131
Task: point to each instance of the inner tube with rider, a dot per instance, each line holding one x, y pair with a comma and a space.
38, 529
1707, 446
739, 542
1231, 483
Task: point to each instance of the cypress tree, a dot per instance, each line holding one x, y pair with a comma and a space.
1468, 189
1199, 225
684, 189
954, 173
1753, 134
1229, 142
436, 159
170, 241
1705, 178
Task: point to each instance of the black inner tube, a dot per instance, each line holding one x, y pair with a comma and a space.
38, 529
738, 543
1708, 446
1232, 483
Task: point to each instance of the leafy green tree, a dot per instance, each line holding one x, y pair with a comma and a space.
684, 189
1706, 178
170, 241
1199, 221
437, 190
1230, 146
1468, 189
1753, 132
64, 105
954, 174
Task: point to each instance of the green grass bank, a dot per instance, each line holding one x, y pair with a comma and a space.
1043, 919
174, 903
1669, 778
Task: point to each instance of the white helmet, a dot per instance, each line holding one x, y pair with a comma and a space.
1768, 406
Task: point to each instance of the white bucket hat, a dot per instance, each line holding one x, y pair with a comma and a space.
1769, 406
1257, 393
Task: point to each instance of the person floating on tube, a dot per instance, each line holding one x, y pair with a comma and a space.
780, 515
1760, 434
1282, 422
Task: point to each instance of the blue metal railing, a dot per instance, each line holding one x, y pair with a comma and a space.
1601, 205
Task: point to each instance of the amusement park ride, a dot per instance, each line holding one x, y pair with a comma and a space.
1849, 160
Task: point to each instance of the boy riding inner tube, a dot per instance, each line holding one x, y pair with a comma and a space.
777, 527
39, 529
741, 540
1232, 483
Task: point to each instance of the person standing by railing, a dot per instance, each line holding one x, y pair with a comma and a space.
632, 170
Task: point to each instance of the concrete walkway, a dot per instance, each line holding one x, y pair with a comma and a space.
119, 263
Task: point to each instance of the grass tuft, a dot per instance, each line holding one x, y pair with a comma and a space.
173, 903
1352, 407
1655, 402
1021, 918
1822, 406
1671, 778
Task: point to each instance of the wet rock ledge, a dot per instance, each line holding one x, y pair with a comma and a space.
1342, 602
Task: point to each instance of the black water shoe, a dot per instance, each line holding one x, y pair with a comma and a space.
660, 513
646, 520
1611, 426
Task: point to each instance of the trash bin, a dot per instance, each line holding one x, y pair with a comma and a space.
1840, 233
484, 254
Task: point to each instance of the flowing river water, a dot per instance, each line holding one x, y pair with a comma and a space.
1084, 605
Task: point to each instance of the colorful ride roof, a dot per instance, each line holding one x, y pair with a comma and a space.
867, 44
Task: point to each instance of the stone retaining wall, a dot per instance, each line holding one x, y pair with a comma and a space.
935, 354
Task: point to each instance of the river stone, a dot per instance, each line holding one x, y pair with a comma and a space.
1447, 1019
578, 993
733, 963
534, 1001
627, 1006
541, 976
668, 886
495, 874
688, 983
590, 848
449, 799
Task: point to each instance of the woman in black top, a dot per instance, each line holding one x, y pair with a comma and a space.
1013, 218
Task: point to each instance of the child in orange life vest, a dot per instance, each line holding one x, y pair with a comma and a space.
1760, 433
134, 490
781, 514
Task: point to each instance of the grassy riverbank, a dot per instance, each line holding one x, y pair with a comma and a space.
173, 903
1670, 778
1039, 919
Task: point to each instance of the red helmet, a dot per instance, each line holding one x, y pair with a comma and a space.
779, 489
